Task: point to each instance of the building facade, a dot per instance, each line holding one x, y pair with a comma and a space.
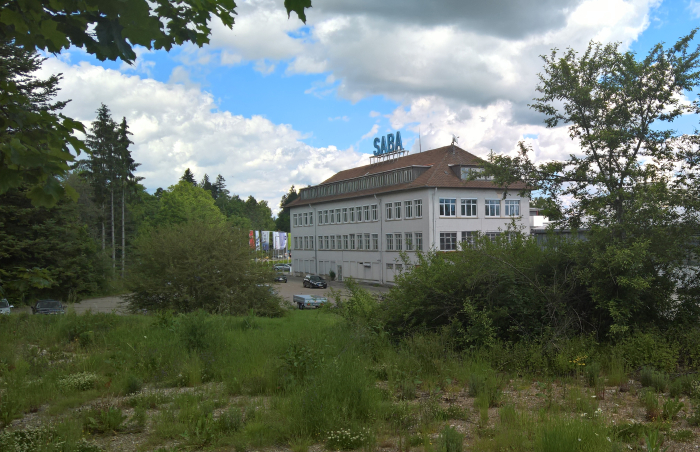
358, 222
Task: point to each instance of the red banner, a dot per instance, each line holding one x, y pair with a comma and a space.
251, 240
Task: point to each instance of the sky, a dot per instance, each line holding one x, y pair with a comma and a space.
275, 102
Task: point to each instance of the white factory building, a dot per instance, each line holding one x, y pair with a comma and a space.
357, 222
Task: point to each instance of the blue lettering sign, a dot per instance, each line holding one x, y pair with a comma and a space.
388, 144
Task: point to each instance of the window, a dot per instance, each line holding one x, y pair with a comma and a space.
359, 242
512, 208
352, 214
389, 266
447, 207
468, 237
367, 242
320, 242
311, 218
352, 241
448, 241
337, 216
306, 242
408, 207
295, 243
397, 210
469, 207
306, 219
397, 241
375, 212
365, 210
418, 203
332, 242
338, 242
389, 242
332, 216
493, 235
419, 241
325, 217
294, 220
409, 241
398, 267
320, 217
375, 241
358, 212
311, 242
345, 214
328, 243
389, 207
493, 208
345, 242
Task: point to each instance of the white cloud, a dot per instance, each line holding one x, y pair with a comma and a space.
372, 132
694, 7
374, 114
340, 118
176, 126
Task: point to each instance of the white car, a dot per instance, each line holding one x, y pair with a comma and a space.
5, 307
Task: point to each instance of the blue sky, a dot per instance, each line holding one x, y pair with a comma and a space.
274, 96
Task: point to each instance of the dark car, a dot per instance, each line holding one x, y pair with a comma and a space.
48, 307
279, 277
315, 282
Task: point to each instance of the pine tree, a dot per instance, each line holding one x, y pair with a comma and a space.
189, 177
102, 141
206, 184
127, 180
219, 187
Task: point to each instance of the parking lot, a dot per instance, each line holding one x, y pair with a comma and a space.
293, 286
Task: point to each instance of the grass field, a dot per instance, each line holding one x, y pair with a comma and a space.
311, 380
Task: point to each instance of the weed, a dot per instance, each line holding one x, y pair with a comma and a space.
592, 374
682, 436
616, 372
671, 409
651, 404
110, 419
348, 439
450, 440
149, 400
484, 383
651, 378
78, 382
682, 386
653, 442
132, 385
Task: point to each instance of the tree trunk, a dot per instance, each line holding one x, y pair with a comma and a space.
114, 257
123, 236
103, 227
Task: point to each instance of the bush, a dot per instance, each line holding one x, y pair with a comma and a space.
649, 349
197, 265
450, 440
651, 378
78, 382
132, 385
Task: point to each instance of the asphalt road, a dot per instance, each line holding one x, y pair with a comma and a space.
293, 286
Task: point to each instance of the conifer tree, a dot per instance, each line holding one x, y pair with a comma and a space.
127, 180
219, 187
189, 177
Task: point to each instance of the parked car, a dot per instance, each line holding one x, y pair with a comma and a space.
48, 307
5, 306
309, 301
315, 282
283, 267
279, 277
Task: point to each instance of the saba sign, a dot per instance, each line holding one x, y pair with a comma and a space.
388, 144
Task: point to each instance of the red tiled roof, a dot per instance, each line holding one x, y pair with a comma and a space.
439, 174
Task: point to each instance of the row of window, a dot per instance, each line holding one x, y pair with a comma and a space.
359, 214
468, 207
448, 240
399, 176
397, 241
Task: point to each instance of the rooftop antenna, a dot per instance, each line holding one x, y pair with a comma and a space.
455, 140
420, 145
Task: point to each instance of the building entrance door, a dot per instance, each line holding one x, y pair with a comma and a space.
340, 272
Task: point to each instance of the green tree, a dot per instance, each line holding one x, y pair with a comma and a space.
109, 29
282, 222
187, 176
46, 252
632, 184
260, 214
126, 167
35, 139
199, 265
219, 187
184, 203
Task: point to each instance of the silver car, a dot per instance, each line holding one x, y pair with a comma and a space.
5, 307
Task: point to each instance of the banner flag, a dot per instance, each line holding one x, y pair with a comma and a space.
276, 239
283, 240
257, 240
266, 240
251, 239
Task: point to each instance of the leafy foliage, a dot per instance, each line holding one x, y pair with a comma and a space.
186, 202
198, 264
35, 139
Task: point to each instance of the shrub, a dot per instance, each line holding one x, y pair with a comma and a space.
109, 419
648, 349
651, 378
671, 409
651, 405
198, 265
682, 385
592, 374
132, 385
486, 384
